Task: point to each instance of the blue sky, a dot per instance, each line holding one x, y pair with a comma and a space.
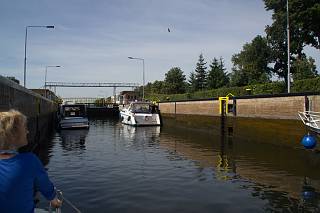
92, 39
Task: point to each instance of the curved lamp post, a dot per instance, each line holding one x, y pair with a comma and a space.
25, 50
141, 59
45, 78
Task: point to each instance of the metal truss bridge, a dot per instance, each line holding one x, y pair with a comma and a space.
82, 100
65, 84
114, 85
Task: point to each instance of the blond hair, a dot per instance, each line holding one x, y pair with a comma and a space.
10, 122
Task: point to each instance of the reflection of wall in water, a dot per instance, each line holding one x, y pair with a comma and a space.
284, 132
262, 163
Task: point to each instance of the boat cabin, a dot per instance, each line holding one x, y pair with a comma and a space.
142, 107
74, 110
73, 116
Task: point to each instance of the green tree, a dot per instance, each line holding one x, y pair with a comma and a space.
250, 66
192, 82
58, 100
201, 74
175, 81
238, 78
108, 100
148, 88
304, 68
158, 87
138, 90
216, 76
12, 78
304, 18
99, 102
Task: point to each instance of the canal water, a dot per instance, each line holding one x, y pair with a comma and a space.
117, 168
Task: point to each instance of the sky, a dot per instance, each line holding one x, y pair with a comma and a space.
92, 39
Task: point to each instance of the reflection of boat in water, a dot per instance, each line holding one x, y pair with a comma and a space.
132, 132
73, 116
74, 139
311, 120
141, 114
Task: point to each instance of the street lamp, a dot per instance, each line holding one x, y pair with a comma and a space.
45, 78
25, 51
141, 59
288, 45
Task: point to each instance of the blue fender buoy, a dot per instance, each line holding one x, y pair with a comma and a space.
309, 141
308, 195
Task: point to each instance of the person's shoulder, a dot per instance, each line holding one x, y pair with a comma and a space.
30, 159
28, 156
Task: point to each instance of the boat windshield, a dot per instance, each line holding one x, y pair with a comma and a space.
140, 108
74, 111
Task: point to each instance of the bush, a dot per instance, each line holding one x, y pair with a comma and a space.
306, 85
269, 88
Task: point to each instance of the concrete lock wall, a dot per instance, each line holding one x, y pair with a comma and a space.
277, 107
208, 107
273, 118
271, 107
314, 103
39, 110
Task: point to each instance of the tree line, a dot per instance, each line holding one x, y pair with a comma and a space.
175, 81
261, 60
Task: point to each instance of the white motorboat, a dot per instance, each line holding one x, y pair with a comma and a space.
311, 120
73, 116
141, 114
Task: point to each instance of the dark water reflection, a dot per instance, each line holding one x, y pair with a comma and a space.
73, 140
118, 168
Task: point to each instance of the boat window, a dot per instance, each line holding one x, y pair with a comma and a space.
141, 108
74, 111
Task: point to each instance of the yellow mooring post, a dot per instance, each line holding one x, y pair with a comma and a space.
226, 99
221, 99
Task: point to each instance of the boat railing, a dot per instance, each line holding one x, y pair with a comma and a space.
310, 118
64, 200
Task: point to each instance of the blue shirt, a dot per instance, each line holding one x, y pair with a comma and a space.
19, 176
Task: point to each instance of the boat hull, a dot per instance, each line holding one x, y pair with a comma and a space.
314, 129
74, 123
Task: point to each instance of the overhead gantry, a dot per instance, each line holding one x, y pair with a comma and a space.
72, 84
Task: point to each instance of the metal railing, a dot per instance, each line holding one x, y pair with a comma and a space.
64, 200
310, 118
